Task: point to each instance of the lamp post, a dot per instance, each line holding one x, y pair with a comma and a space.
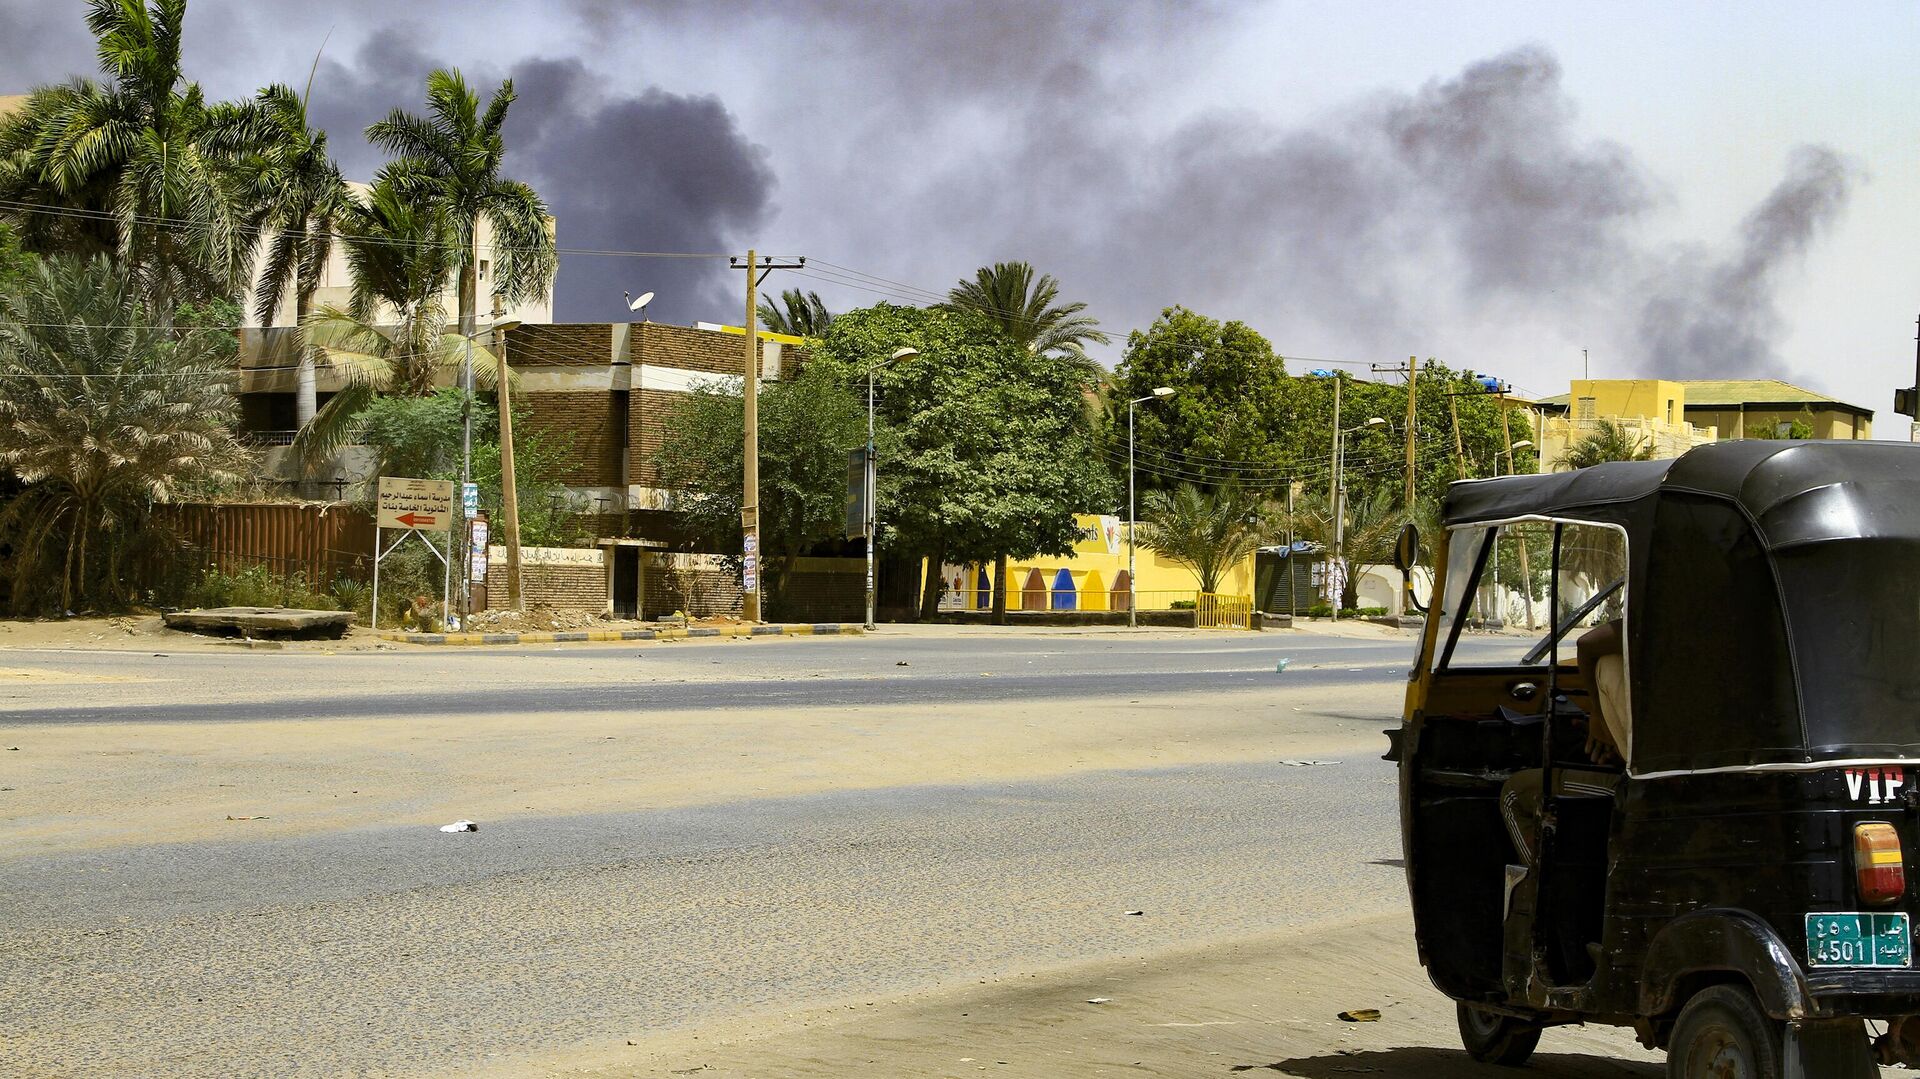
1160, 393
1340, 500
873, 499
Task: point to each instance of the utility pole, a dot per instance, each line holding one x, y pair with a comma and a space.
1334, 577
1526, 572
1413, 419
1907, 402
750, 481
509, 496
1459, 448
1412, 371
750, 493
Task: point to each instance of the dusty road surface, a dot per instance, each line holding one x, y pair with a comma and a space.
913, 854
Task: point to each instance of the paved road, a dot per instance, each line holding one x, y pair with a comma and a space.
402, 950
877, 670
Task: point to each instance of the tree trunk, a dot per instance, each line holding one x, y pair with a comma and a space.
469, 288
1000, 591
935, 583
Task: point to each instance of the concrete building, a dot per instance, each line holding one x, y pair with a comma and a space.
1672, 416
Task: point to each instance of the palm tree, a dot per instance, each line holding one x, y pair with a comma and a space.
102, 411
451, 159
392, 336
1208, 530
297, 198
1608, 442
1373, 523
1025, 309
120, 166
802, 314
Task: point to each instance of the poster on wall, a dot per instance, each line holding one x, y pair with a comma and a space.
1110, 531
953, 593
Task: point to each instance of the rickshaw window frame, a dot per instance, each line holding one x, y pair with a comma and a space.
1444, 663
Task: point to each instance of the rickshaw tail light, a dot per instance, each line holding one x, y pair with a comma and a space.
1878, 864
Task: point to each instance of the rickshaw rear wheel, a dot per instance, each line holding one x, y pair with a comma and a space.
1723, 1034
1492, 1038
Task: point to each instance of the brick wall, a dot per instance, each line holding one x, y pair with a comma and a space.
700, 585
688, 348
569, 344
575, 579
647, 423
589, 422
824, 590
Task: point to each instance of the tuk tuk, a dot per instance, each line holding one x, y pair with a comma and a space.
1682, 802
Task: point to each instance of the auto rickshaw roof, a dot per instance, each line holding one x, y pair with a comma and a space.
1795, 491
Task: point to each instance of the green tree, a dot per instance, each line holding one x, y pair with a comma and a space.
14, 261
450, 159
1027, 310
802, 314
807, 427
1800, 427
392, 337
421, 436
1229, 418
90, 167
1208, 530
985, 451
1608, 442
104, 409
1373, 522
297, 199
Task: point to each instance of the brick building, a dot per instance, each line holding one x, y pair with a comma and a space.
611, 390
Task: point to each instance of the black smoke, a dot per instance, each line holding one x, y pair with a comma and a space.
621, 172
1714, 315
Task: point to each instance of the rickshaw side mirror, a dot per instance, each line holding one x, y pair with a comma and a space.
1406, 550
1406, 555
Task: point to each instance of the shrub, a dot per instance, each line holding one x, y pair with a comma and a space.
354, 595
1320, 610
1180, 605
256, 586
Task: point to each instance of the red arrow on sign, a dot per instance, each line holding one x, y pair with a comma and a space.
414, 520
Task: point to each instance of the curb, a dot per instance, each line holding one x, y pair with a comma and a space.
822, 629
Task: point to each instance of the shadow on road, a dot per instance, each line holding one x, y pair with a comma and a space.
1427, 1063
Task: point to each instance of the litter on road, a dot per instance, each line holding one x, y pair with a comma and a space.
1361, 1015
460, 826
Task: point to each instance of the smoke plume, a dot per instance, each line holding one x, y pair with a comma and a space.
1711, 316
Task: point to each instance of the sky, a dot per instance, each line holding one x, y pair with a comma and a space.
1680, 190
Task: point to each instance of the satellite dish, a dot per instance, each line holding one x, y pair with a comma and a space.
635, 305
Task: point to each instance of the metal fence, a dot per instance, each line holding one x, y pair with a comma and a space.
320, 541
1215, 610
1069, 599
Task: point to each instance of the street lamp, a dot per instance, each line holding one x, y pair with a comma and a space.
873, 496
1160, 393
1340, 496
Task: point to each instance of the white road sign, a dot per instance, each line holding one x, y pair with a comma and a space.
426, 505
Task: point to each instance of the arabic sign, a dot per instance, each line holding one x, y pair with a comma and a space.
425, 505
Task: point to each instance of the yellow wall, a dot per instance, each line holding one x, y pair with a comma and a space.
1644, 398
1095, 567
1827, 423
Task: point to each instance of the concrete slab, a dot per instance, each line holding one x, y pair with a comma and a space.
260, 622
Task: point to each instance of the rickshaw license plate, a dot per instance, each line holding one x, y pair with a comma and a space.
1859, 940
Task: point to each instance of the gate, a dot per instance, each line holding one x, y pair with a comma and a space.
1214, 610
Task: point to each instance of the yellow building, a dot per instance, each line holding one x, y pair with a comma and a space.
1672, 416
1093, 578
1652, 411
1738, 405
